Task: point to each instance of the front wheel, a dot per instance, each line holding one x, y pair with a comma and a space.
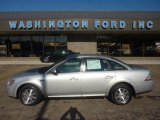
30, 95
120, 94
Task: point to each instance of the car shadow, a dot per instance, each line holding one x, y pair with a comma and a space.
72, 114
42, 110
153, 97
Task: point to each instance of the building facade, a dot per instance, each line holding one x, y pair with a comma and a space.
24, 34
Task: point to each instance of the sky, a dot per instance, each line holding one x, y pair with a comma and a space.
79, 5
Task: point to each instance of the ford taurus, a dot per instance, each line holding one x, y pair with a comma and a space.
81, 76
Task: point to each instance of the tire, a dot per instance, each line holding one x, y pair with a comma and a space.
46, 60
120, 94
30, 95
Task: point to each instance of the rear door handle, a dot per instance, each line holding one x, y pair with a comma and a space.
73, 79
109, 77
42, 80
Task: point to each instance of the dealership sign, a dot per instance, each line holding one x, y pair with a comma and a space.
79, 24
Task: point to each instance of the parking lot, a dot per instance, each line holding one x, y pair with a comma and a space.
145, 107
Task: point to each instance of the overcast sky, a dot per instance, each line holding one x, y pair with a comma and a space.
79, 5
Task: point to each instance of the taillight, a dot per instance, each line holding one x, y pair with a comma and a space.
148, 77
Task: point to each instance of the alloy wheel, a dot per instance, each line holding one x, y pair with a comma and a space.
29, 96
122, 95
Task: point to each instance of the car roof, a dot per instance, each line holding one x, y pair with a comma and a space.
87, 55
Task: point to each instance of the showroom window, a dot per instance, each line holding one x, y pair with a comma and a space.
31, 45
3, 46
54, 43
128, 45
37, 45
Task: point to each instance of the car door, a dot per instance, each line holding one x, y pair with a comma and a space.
67, 81
96, 77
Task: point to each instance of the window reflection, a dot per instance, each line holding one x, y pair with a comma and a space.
31, 45
54, 43
26, 46
113, 44
15, 44
4, 44
37, 45
128, 45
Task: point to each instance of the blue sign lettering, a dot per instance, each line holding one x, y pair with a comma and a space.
75, 24
105, 24
149, 25
60, 24
38, 24
13, 24
29, 24
51, 24
122, 24
21, 25
84, 24
97, 24
68, 24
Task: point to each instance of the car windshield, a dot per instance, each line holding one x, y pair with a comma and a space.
45, 69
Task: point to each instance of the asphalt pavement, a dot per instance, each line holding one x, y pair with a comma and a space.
144, 107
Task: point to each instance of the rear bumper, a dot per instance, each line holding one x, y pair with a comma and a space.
145, 87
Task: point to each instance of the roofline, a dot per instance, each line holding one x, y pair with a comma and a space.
81, 14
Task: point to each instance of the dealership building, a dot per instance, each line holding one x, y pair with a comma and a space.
114, 33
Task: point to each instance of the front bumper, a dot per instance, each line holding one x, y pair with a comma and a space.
10, 90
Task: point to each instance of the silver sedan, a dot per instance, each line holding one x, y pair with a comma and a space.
81, 76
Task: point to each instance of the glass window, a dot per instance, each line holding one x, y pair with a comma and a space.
94, 64
61, 42
4, 46
26, 46
49, 44
37, 45
15, 46
61, 39
54, 43
128, 45
108, 45
72, 65
105, 65
116, 66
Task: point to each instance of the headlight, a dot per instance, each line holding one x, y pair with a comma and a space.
10, 82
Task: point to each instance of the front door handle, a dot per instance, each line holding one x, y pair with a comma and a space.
109, 77
73, 79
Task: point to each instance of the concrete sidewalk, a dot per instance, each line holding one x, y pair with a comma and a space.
21, 61
36, 61
140, 60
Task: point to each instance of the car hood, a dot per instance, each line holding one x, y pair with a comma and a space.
31, 73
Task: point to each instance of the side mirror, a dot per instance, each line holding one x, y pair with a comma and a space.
54, 71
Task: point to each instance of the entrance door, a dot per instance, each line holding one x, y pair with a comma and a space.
54, 43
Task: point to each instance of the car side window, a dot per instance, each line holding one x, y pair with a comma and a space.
95, 64
105, 65
72, 65
116, 66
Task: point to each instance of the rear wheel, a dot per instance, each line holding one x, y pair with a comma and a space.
46, 60
30, 95
120, 94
